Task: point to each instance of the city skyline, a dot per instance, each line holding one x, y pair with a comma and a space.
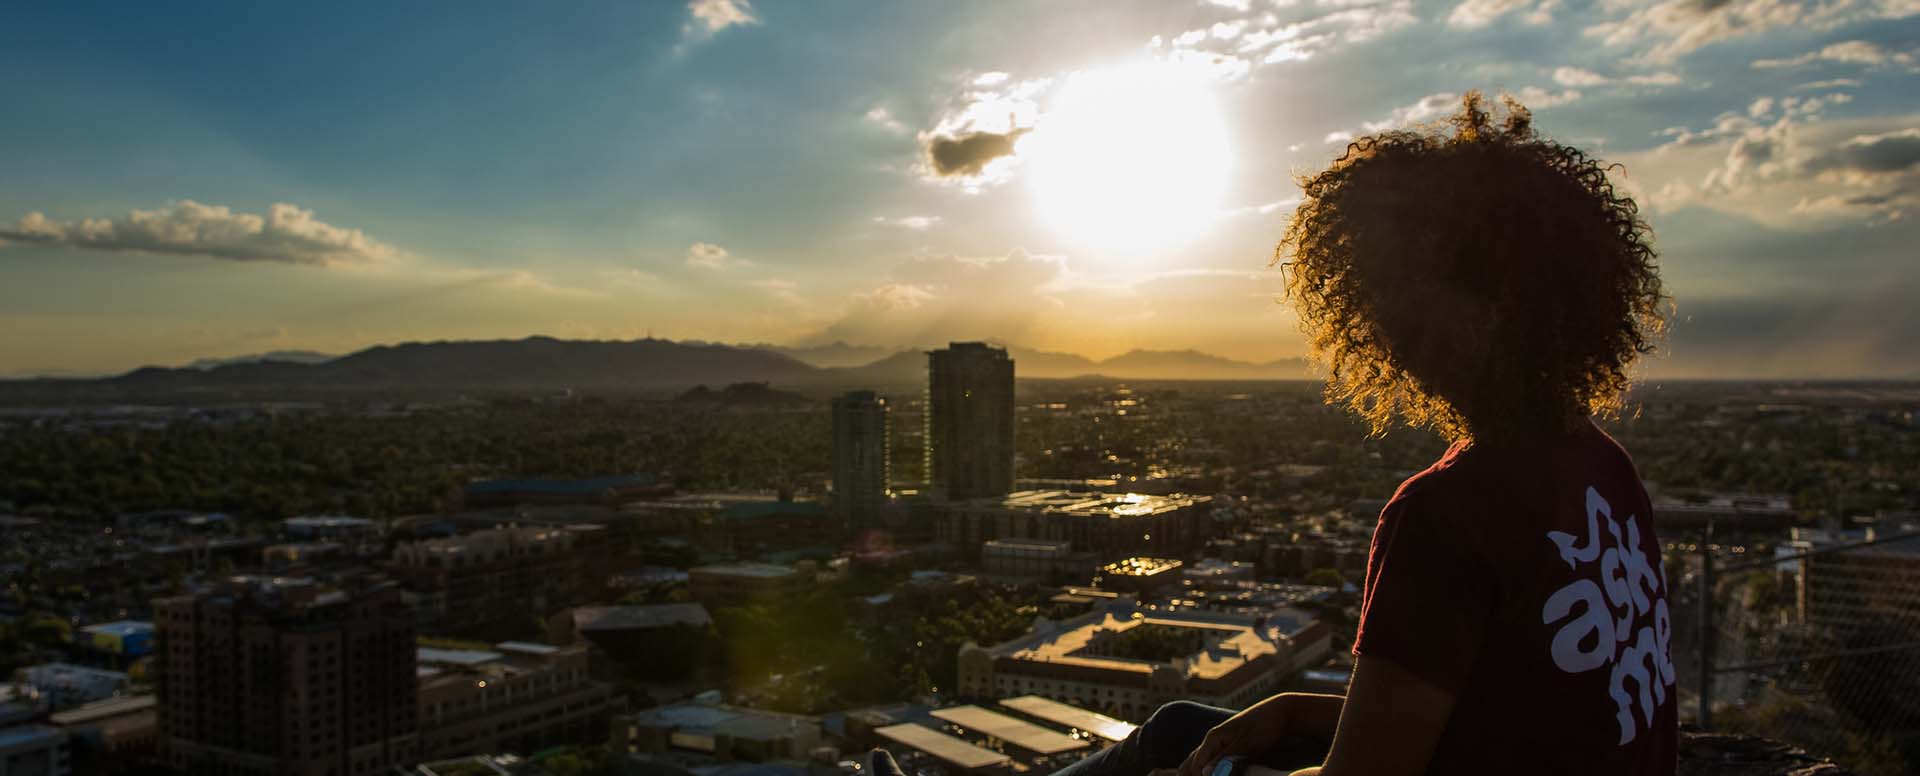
213, 182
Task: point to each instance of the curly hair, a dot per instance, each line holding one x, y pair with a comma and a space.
1483, 281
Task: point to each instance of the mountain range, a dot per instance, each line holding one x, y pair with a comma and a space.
545, 365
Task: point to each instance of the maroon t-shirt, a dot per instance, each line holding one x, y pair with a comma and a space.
1526, 580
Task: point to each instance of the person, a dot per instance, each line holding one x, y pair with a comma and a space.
1490, 284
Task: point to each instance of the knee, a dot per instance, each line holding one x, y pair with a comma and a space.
1178, 725
1179, 714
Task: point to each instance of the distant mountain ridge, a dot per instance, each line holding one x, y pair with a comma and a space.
546, 365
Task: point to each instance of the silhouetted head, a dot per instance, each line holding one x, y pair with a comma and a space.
1474, 278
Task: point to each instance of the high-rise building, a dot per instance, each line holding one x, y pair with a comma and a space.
969, 421
287, 676
860, 468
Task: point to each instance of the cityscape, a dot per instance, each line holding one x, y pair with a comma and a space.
926, 388
987, 574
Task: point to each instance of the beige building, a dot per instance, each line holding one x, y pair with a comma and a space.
1125, 660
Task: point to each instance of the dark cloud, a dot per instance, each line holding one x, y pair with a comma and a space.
969, 154
1890, 152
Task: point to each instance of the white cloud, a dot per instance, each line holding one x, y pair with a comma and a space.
286, 233
1831, 83
1426, 109
1231, 49
706, 255
707, 18
1480, 13
1574, 76
1851, 52
915, 223
880, 116
1667, 30
713, 16
1263, 209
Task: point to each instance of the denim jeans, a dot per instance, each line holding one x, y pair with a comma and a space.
1163, 741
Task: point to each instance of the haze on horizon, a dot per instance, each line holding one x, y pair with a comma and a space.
1081, 177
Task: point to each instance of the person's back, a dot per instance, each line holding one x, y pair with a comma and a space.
1525, 578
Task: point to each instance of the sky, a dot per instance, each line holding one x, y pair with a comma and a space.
180, 181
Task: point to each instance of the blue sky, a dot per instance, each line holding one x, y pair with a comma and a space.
186, 181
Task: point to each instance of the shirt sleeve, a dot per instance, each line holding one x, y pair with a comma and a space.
1428, 596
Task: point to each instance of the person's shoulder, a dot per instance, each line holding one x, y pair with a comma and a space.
1431, 485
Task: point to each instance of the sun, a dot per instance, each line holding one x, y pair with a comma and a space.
1129, 161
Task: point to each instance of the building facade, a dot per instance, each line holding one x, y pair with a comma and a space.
518, 697
1109, 525
969, 418
495, 583
1124, 660
278, 676
860, 461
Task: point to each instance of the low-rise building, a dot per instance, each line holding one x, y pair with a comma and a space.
65, 685
494, 582
1140, 576
112, 736
1125, 659
35, 750
721, 732
1017, 560
1109, 525
516, 697
737, 583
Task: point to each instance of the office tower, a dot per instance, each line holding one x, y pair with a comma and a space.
859, 460
969, 421
287, 676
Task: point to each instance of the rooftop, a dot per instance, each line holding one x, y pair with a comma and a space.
1224, 642
747, 569
953, 750
598, 618
1025, 735
1071, 716
120, 628
1109, 505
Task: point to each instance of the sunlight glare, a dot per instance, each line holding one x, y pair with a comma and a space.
1130, 160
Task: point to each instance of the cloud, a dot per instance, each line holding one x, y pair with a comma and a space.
1666, 31
1851, 52
286, 233
1480, 13
1782, 163
968, 155
707, 18
1573, 76
935, 298
1581, 77
915, 223
883, 118
1265, 208
1831, 83
973, 141
706, 255
712, 16
1232, 48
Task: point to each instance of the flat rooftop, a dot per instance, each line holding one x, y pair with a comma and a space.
1227, 641
1107, 505
1020, 733
1071, 716
945, 747
759, 570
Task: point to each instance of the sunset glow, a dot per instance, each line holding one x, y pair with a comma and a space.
1130, 160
